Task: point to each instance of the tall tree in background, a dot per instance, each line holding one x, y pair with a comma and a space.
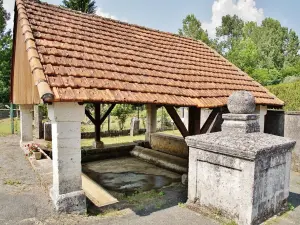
230, 32
86, 6
191, 27
5, 55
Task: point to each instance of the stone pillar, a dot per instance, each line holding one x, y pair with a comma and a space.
38, 122
151, 121
186, 117
26, 123
66, 193
242, 173
261, 110
134, 126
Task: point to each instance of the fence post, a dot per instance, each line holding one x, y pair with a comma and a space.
12, 118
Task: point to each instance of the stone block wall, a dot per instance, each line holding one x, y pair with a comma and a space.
292, 130
171, 144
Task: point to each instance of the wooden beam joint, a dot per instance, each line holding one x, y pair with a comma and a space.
175, 117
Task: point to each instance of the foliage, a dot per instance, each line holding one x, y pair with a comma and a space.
192, 28
122, 112
289, 93
268, 52
33, 147
5, 55
85, 6
230, 31
291, 79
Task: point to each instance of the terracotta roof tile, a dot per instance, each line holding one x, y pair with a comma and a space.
90, 58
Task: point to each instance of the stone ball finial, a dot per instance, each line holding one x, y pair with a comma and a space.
241, 102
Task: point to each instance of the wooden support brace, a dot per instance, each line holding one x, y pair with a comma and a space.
209, 121
89, 115
175, 117
103, 118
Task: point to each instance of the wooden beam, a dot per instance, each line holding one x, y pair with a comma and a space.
175, 117
89, 115
97, 121
217, 125
107, 113
209, 121
194, 120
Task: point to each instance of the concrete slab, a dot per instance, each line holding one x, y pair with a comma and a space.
129, 174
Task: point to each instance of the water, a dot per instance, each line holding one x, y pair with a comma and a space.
129, 182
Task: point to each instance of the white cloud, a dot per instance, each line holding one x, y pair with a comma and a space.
9, 7
99, 12
245, 9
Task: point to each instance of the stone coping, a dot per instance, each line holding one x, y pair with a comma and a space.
168, 135
242, 117
247, 146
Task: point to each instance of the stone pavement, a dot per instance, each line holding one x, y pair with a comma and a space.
24, 201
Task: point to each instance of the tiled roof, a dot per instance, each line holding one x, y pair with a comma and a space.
88, 58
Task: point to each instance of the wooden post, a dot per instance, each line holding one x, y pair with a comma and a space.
98, 143
194, 120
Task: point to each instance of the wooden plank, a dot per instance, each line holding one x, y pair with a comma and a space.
107, 113
194, 120
25, 91
209, 121
89, 115
175, 117
98, 195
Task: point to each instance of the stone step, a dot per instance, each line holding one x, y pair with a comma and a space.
170, 162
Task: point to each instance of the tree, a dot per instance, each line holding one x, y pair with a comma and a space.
191, 27
85, 6
122, 112
229, 32
291, 49
5, 55
244, 55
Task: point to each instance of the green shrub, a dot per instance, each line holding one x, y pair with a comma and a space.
289, 93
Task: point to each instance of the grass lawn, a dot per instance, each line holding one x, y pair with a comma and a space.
121, 139
5, 126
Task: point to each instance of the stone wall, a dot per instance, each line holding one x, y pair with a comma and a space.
171, 144
292, 130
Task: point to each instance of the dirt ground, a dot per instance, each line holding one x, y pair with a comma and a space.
24, 201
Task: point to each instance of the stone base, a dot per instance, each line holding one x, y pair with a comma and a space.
98, 144
73, 202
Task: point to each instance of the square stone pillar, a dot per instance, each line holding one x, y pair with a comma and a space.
261, 110
26, 123
66, 193
240, 172
151, 121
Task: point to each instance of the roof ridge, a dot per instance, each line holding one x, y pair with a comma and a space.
36, 67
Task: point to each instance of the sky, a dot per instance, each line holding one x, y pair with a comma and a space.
167, 15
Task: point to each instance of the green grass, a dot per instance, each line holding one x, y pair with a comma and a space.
112, 140
12, 182
121, 139
5, 126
